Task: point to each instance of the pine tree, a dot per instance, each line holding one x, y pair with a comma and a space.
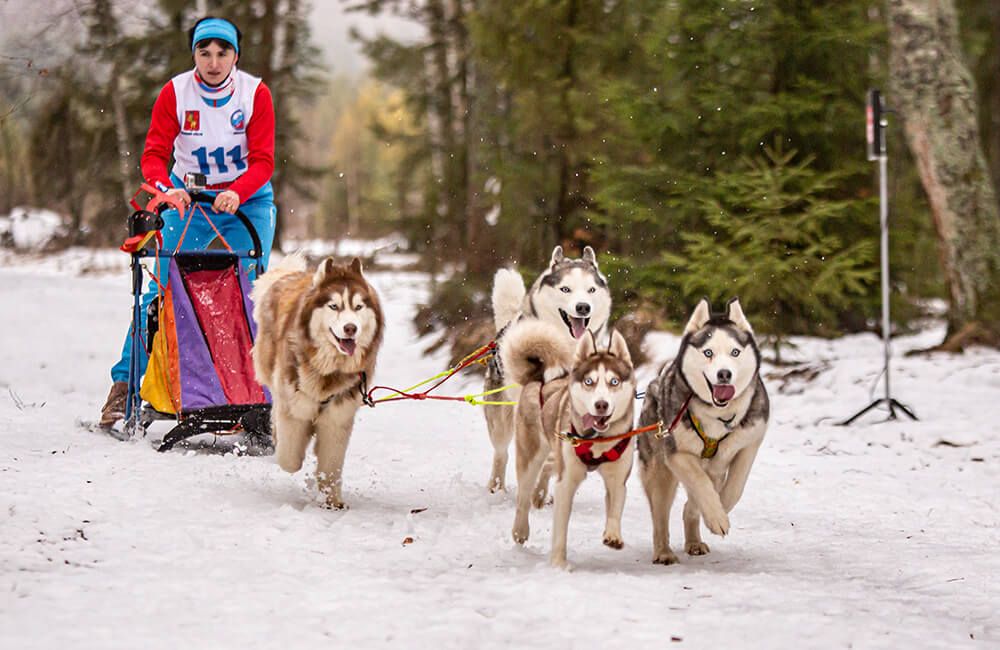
545, 58
504, 92
430, 74
774, 242
710, 84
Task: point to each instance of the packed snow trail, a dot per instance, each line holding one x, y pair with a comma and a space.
873, 536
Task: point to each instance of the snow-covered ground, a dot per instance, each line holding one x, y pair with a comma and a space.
880, 535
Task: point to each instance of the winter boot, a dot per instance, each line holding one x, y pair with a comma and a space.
114, 408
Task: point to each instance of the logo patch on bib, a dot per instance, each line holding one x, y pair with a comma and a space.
192, 120
236, 119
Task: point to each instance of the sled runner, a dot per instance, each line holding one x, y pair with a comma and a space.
198, 335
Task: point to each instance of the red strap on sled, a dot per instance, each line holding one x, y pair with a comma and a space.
138, 241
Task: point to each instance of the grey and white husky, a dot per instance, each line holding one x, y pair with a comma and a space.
573, 296
593, 401
714, 382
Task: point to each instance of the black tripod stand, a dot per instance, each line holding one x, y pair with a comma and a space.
876, 151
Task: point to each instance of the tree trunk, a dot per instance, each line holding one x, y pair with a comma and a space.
14, 170
443, 110
123, 136
352, 186
108, 27
566, 134
994, 94
935, 94
476, 259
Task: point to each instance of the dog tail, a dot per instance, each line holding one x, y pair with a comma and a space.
263, 351
532, 349
508, 296
289, 264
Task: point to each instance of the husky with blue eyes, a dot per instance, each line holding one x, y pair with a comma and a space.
578, 417
572, 295
318, 334
714, 392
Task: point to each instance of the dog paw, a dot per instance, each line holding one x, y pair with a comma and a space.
290, 464
717, 521
666, 557
496, 485
520, 535
613, 541
541, 499
559, 563
696, 548
335, 504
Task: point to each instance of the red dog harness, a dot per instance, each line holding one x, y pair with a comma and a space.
584, 453
583, 449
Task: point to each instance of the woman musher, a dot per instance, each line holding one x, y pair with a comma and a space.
216, 121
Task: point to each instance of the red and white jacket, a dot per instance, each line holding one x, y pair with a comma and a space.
232, 144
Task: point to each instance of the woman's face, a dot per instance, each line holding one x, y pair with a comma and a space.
214, 63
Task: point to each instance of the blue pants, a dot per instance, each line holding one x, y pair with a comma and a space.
261, 212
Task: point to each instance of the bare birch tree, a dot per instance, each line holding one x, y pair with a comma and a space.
935, 94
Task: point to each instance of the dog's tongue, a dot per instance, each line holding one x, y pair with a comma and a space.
723, 392
347, 346
578, 326
594, 422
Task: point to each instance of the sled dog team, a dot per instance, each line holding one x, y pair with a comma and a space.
706, 412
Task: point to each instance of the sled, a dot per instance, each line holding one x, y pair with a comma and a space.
199, 333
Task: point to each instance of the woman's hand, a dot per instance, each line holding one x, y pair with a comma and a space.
228, 201
181, 195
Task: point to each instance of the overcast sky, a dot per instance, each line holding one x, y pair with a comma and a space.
330, 26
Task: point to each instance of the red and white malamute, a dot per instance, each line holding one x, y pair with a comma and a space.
318, 333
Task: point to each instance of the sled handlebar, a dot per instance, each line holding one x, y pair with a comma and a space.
257, 251
143, 224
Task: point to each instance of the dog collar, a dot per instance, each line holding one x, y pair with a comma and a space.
584, 453
362, 387
711, 445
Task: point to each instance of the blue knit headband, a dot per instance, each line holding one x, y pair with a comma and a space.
216, 28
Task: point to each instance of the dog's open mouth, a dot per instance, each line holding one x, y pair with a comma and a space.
598, 423
577, 326
347, 346
721, 393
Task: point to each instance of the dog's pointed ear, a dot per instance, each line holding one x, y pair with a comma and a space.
356, 265
619, 348
557, 256
586, 348
701, 315
324, 271
734, 312
589, 255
